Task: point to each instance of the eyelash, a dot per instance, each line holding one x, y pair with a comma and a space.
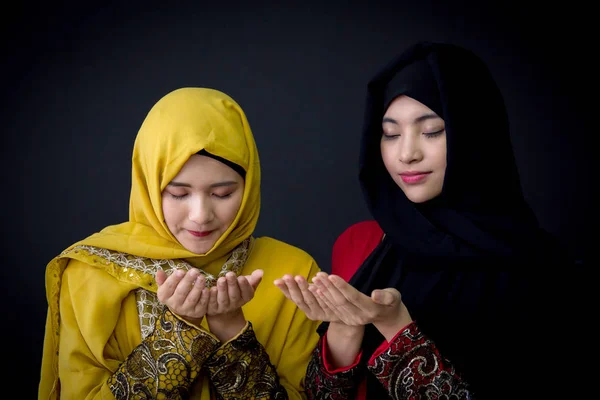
184, 195
433, 134
427, 134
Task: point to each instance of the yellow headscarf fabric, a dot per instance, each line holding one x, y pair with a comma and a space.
94, 294
179, 125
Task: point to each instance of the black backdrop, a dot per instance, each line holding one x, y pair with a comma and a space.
80, 78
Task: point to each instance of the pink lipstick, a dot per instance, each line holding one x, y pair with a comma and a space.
413, 176
200, 234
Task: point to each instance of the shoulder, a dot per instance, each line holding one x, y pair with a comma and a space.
280, 254
360, 232
353, 246
281, 248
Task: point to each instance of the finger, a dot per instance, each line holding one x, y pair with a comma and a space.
233, 288
161, 277
318, 298
166, 290
222, 295
283, 287
322, 303
307, 295
386, 297
322, 292
246, 290
359, 308
339, 304
351, 294
320, 275
255, 278
295, 292
326, 303
194, 295
213, 304
185, 286
333, 293
202, 304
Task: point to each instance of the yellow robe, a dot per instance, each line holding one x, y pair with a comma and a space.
100, 289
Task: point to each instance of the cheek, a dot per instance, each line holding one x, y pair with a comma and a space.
388, 159
170, 211
229, 209
441, 156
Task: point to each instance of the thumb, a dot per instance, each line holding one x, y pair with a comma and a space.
385, 297
255, 278
160, 277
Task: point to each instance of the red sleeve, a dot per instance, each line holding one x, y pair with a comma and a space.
414, 360
353, 246
385, 346
350, 250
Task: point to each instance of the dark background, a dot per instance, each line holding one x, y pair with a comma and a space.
80, 77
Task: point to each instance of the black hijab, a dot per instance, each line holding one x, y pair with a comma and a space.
468, 263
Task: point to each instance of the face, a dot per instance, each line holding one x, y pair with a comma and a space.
201, 202
413, 148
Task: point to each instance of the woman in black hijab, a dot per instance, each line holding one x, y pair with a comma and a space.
455, 237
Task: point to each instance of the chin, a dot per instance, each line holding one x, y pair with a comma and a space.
419, 198
198, 249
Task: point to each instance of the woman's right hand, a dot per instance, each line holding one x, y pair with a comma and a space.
384, 308
185, 293
297, 289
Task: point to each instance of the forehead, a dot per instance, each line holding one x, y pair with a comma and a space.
203, 168
407, 109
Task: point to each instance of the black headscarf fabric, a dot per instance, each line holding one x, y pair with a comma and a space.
237, 168
471, 264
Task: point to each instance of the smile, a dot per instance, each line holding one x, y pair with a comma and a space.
200, 234
414, 177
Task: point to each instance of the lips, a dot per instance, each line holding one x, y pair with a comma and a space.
413, 176
199, 234
412, 173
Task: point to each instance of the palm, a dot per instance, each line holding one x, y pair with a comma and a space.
303, 295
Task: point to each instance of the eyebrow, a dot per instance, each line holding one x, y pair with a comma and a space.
214, 185
417, 120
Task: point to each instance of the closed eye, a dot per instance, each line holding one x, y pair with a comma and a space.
435, 133
178, 197
387, 136
222, 196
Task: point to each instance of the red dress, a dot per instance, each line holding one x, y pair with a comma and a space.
410, 358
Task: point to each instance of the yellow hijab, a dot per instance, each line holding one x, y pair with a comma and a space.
179, 125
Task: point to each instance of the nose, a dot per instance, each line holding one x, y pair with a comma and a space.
201, 211
409, 150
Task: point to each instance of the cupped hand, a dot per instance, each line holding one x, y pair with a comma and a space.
185, 293
298, 290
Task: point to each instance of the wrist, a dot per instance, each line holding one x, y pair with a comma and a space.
341, 330
195, 322
226, 326
390, 327
343, 344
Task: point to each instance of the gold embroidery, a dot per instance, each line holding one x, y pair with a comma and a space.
142, 270
241, 368
165, 366
320, 384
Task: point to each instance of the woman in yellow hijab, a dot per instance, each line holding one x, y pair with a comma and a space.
169, 304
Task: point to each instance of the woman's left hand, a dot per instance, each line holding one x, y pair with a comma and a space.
231, 292
224, 316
